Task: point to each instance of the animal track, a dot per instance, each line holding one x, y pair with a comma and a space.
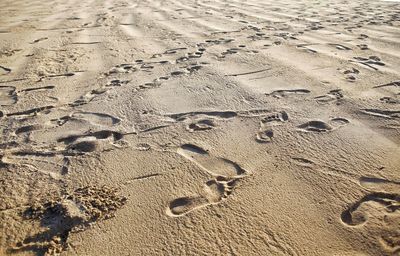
214, 165
320, 126
214, 192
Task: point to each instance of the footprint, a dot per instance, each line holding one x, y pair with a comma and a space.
216, 166
321, 126
39, 40
184, 205
194, 68
216, 114
341, 47
264, 136
96, 118
390, 100
284, 93
339, 121
331, 96
370, 62
38, 88
357, 215
302, 162
394, 84
315, 126
175, 50
117, 83
179, 72
351, 71
214, 192
201, 125
363, 46
380, 185
122, 68
8, 96
91, 141
275, 118
32, 111
28, 128
389, 114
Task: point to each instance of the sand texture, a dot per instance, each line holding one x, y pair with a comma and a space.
199, 127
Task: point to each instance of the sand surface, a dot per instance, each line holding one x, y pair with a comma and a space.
199, 127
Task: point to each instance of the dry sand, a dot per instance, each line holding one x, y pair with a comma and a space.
199, 127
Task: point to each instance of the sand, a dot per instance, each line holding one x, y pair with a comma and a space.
199, 127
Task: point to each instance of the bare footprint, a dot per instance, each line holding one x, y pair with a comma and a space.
216, 166
214, 192
321, 126
356, 214
264, 135
331, 96
315, 126
285, 93
201, 125
385, 113
275, 118
382, 204
96, 118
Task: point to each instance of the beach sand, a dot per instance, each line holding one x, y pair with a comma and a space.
199, 127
